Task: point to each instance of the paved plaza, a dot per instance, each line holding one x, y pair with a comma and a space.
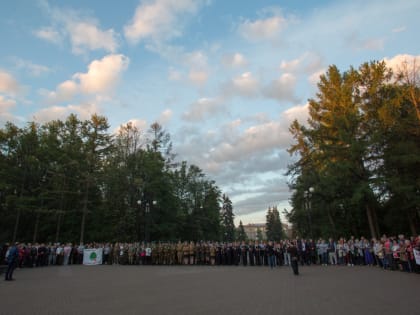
210, 290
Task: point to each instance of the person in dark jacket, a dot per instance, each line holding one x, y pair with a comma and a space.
293, 251
12, 260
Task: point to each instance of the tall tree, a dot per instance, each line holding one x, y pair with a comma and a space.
227, 218
345, 149
241, 232
274, 227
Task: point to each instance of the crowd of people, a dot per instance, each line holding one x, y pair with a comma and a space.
393, 253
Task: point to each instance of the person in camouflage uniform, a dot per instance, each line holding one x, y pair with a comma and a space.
198, 254
192, 253
212, 254
179, 253
207, 253
185, 253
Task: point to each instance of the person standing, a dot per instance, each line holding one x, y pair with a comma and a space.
12, 260
293, 251
270, 254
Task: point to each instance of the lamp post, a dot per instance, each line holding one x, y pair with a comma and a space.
307, 194
147, 216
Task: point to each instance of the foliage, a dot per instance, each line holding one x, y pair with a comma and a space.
74, 181
241, 235
227, 217
274, 227
360, 151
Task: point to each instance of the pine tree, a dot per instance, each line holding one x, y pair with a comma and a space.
241, 232
273, 225
227, 218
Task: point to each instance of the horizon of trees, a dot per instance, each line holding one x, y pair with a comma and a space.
74, 181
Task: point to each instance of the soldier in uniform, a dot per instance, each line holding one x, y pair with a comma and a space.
179, 253
198, 254
192, 253
186, 253
212, 252
206, 253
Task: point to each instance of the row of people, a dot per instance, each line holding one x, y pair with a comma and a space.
388, 253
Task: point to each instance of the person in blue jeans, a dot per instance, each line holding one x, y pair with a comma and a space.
12, 260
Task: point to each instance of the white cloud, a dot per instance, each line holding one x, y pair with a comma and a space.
397, 62
103, 75
203, 108
140, 124
281, 89
235, 60
263, 29
307, 63
85, 35
165, 117
83, 31
8, 84
291, 66
65, 91
244, 85
298, 112
159, 20
314, 77
83, 111
49, 34
101, 78
254, 140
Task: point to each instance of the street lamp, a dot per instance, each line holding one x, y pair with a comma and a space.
307, 194
147, 216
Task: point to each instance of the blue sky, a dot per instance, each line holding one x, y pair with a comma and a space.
224, 78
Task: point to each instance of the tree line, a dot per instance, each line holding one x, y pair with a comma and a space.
357, 167
74, 181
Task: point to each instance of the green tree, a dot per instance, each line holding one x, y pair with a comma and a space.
274, 227
346, 150
241, 235
227, 218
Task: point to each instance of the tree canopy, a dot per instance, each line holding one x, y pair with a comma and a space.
360, 152
74, 181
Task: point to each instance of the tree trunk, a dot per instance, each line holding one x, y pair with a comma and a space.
38, 215
330, 218
84, 213
15, 230
57, 231
371, 222
412, 224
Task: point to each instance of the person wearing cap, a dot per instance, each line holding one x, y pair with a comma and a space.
12, 260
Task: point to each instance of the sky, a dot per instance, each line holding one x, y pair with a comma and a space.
224, 78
